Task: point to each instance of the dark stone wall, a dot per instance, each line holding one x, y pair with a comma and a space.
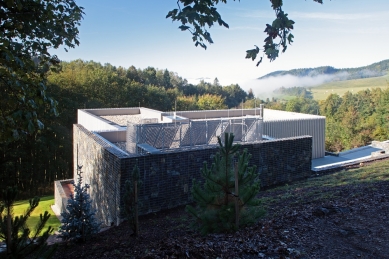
283, 160
167, 177
101, 166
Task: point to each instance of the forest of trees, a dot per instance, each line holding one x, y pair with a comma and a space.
355, 120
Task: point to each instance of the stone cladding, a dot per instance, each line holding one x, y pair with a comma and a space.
167, 177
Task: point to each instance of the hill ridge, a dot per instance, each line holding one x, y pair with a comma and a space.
373, 70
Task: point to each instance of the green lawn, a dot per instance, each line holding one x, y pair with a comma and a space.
321, 92
44, 205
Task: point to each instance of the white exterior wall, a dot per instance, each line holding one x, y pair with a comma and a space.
314, 127
94, 123
150, 113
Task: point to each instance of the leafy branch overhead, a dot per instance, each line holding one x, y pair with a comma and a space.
28, 30
197, 14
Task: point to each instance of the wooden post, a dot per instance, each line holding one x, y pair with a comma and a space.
9, 230
236, 197
136, 208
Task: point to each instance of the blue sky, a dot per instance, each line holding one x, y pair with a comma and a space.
340, 33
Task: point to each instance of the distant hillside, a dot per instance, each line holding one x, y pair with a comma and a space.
373, 70
322, 91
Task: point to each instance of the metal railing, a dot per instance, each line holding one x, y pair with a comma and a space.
167, 136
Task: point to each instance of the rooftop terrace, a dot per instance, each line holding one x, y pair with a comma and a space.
134, 128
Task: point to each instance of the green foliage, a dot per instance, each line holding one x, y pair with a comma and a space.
130, 199
44, 204
294, 91
187, 103
28, 30
253, 103
216, 199
302, 105
78, 221
19, 239
35, 161
196, 15
234, 95
211, 102
356, 119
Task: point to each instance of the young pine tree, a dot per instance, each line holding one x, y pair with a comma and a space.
19, 239
228, 197
78, 222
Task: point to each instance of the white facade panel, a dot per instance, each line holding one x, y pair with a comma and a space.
94, 123
314, 127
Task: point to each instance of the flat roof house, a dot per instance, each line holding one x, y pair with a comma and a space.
170, 148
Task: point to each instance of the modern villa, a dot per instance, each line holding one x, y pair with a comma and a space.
170, 148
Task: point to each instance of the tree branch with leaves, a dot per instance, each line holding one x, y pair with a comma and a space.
196, 15
28, 30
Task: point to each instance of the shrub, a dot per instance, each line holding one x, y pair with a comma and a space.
78, 222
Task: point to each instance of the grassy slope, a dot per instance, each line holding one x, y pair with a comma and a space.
44, 205
322, 91
313, 187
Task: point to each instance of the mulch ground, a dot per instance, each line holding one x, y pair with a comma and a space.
352, 222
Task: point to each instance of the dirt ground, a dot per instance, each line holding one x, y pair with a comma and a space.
343, 221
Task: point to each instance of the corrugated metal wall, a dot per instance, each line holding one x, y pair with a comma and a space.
314, 127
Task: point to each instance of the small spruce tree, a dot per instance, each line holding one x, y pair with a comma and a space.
131, 203
228, 197
21, 242
78, 221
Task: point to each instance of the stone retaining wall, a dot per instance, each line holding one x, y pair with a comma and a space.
167, 177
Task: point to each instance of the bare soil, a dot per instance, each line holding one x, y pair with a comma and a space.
325, 221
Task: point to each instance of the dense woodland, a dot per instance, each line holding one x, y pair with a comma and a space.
352, 120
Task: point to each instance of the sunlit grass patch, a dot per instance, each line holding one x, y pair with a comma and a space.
44, 205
